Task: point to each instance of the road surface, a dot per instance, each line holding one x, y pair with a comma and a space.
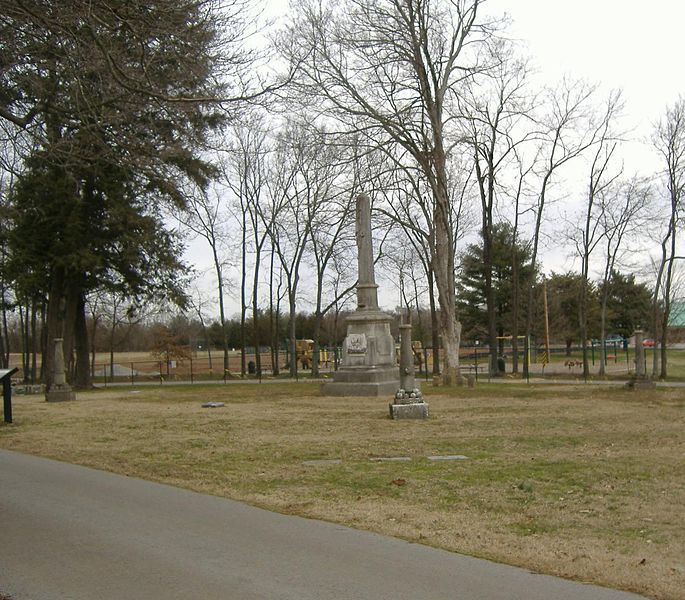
73, 533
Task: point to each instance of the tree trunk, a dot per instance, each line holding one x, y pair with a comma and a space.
34, 340
533, 266
54, 324
443, 267
92, 345
318, 317
487, 198
71, 307
273, 330
515, 307
6, 347
278, 328
4, 341
255, 316
435, 328
222, 313
602, 329
82, 378
43, 338
243, 290
111, 339
293, 335
583, 330
24, 329
656, 321
663, 340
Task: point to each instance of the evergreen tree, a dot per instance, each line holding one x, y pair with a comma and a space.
118, 99
563, 297
471, 284
630, 304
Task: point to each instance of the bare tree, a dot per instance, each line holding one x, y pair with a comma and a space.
198, 304
205, 219
394, 64
248, 159
622, 214
116, 313
407, 204
565, 131
288, 218
497, 109
516, 193
331, 207
601, 177
276, 296
669, 141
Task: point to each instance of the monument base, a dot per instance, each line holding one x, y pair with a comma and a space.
416, 410
362, 381
61, 393
640, 383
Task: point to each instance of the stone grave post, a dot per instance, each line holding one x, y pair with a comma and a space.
640, 369
640, 379
408, 402
59, 389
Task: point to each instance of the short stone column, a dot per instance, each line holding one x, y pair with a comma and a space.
640, 379
59, 389
408, 402
640, 369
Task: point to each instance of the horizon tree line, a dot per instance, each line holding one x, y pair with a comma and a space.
111, 134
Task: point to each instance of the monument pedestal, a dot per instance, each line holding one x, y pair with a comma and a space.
60, 393
641, 383
355, 381
368, 366
415, 410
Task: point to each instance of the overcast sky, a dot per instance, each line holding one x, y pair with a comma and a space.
635, 46
618, 44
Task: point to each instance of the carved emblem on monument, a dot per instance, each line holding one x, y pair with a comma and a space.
356, 343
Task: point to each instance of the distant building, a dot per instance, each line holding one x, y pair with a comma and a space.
676, 322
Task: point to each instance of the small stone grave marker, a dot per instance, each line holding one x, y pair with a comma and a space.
321, 462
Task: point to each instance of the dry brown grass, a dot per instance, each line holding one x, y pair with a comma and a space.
583, 482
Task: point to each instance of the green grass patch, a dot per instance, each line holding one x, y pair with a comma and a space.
583, 481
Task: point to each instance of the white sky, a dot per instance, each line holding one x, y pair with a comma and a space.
635, 46
626, 44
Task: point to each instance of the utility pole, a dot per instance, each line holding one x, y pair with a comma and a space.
547, 357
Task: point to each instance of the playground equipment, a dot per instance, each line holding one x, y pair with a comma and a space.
615, 343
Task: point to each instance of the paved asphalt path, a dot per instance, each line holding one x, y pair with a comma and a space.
68, 532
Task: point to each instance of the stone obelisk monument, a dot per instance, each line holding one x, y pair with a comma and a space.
59, 389
368, 366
